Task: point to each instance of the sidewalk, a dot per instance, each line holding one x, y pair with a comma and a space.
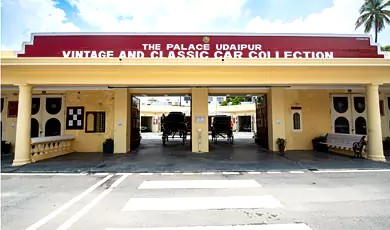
175, 157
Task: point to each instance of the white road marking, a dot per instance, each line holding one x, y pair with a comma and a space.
199, 184
86, 208
235, 227
43, 174
273, 172
101, 174
188, 174
254, 173
146, 174
297, 172
201, 203
67, 204
167, 174
121, 174
230, 173
208, 173
352, 170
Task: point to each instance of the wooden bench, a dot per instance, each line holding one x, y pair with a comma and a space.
346, 142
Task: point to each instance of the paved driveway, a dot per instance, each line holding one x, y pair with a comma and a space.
243, 155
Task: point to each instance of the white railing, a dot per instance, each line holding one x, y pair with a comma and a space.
48, 147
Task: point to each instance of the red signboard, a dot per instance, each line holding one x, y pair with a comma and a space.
200, 46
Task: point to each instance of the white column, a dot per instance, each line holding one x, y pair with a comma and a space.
375, 145
23, 127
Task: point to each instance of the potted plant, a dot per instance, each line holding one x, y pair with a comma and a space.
281, 142
108, 146
317, 140
5, 147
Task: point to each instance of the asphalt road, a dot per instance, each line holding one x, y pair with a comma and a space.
288, 200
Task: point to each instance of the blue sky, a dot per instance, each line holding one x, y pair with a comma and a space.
21, 17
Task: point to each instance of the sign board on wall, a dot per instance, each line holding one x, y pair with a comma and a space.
200, 119
200, 46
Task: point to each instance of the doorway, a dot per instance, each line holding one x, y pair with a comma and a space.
47, 115
349, 113
261, 136
245, 123
135, 127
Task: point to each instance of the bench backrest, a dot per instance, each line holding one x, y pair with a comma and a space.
339, 139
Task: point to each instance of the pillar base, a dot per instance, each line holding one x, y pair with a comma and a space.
377, 158
21, 162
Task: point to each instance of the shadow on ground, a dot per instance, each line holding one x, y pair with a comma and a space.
243, 155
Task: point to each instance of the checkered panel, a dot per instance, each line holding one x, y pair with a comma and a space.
75, 117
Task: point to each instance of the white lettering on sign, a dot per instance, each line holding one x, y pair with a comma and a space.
88, 54
198, 51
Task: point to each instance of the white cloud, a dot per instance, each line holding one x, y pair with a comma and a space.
20, 18
340, 18
156, 15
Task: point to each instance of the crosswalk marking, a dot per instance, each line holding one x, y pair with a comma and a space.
208, 173
254, 173
273, 172
297, 172
201, 203
234, 227
199, 184
352, 171
230, 173
101, 174
146, 174
167, 174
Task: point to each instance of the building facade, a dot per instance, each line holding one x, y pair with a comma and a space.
85, 86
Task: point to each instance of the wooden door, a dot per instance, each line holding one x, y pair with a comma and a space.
262, 121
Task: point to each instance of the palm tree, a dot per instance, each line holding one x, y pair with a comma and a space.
374, 14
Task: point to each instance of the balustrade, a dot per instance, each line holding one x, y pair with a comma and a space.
48, 147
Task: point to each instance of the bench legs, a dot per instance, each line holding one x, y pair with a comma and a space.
357, 149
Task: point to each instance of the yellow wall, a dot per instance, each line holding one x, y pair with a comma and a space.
385, 120
93, 101
121, 121
9, 123
199, 72
200, 108
315, 116
276, 117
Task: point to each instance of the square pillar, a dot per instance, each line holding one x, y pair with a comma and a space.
200, 130
23, 127
276, 119
375, 145
121, 121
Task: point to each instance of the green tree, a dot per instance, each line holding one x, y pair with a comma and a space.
233, 101
224, 103
385, 48
373, 14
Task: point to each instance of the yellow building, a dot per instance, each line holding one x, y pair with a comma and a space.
70, 92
